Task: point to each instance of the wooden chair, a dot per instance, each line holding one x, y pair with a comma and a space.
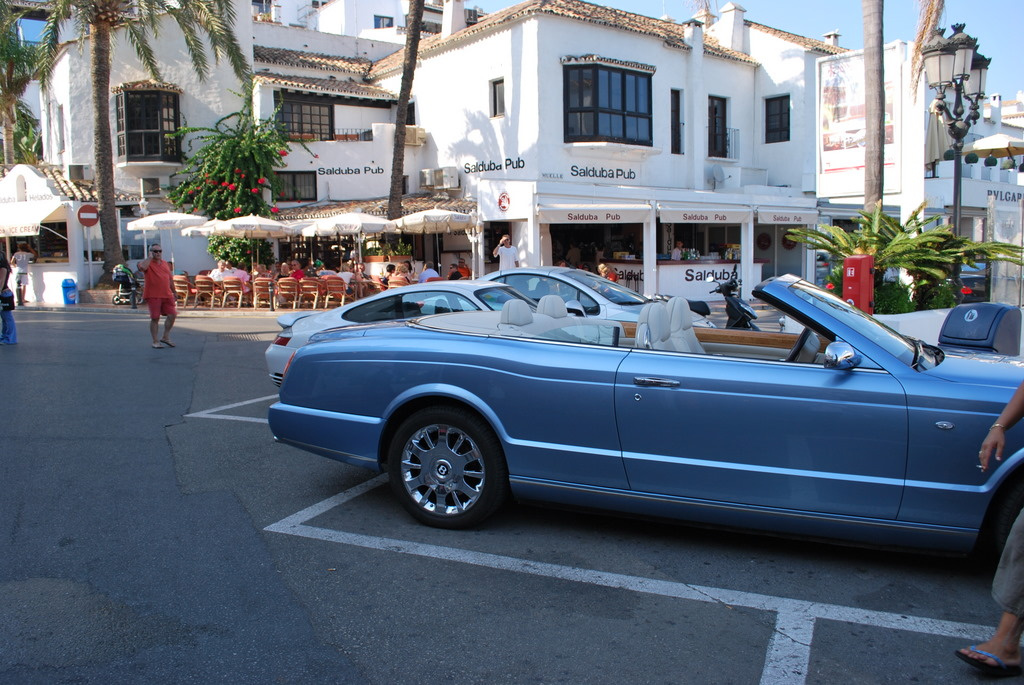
205, 288
367, 287
309, 289
288, 292
261, 291
183, 290
335, 289
233, 287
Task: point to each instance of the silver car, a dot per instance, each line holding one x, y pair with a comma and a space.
435, 297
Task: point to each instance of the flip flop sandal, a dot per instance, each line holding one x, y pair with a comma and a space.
168, 343
1001, 671
157, 346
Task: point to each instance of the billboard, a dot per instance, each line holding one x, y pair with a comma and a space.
842, 127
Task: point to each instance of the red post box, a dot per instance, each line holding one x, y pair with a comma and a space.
859, 282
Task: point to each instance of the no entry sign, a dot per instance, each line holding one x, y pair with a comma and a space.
88, 215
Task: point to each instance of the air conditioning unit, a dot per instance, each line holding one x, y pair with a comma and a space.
432, 178
415, 135
150, 186
77, 172
449, 177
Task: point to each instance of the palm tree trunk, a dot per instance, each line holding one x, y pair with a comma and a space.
8, 118
412, 45
110, 223
874, 103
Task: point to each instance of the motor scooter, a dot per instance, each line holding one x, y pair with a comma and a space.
739, 313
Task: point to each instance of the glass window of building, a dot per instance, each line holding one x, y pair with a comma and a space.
607, 104
306, 117
145, 121
719, 143
297, 186
776, 119
498, 97
676, 134
382, 22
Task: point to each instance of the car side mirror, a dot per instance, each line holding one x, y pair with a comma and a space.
842, 356
574, 308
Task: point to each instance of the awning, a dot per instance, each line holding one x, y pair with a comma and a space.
696, 214
578, 213
801, 217
23, 218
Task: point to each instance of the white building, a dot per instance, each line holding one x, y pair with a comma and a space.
561, 122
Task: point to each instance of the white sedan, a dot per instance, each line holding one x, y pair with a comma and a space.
434, 297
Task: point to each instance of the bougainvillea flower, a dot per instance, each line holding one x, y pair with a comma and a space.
830, 286
275, 210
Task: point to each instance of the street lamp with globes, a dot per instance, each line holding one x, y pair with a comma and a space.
954, 63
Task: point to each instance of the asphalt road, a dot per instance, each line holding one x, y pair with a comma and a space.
152, 532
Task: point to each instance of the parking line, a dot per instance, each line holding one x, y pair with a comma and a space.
788, 654
212, 413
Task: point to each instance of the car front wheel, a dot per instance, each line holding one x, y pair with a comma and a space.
447, 468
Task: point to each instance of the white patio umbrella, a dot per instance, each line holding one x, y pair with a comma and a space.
999, 145
435, 221
349, 223
166, 221
251, 227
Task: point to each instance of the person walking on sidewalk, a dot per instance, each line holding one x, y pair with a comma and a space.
999, 656
158, 292
20, 261
8, 332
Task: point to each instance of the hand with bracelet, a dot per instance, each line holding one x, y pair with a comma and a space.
995, 441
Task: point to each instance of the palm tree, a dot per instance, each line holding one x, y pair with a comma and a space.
201, 22
874, 103
17, 69
412, 46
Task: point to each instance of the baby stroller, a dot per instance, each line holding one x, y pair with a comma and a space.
126, 284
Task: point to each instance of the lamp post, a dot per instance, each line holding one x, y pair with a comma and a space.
954, 63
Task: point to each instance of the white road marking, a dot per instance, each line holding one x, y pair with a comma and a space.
213, 413
788, 655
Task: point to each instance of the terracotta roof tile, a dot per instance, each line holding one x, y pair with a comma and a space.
671, 33
311, 60
83, 191
803, 41
378, 206
715, 49
337, 86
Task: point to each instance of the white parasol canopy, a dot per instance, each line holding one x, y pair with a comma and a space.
165, 221
435, 221
348, 223
252, 227
999, 145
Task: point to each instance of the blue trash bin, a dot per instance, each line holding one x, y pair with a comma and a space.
70, 291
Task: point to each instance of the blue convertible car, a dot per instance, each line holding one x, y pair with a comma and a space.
841, 429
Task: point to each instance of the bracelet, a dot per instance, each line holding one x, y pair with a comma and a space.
997, 425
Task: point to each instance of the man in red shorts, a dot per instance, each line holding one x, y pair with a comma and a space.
159, 295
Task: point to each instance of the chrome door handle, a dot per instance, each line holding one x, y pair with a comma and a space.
655, 382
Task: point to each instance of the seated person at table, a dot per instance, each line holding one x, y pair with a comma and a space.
389, 272
322, 270
463, 269
400, 277
453, 273
297, 272
218, 273
261, 271
428, 272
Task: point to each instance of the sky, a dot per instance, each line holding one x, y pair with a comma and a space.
997, 24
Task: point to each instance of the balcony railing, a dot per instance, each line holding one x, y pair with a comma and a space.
340, 134
723, 142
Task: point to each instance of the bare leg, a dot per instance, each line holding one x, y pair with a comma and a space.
154, 329
168, 325
1005, 644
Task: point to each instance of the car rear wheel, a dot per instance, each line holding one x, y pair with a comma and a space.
447, 468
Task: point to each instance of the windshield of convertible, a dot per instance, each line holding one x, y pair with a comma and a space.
610, 290
871, 328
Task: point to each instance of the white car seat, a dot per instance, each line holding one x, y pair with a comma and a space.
652, 327
681, 337
515, 313
553, 306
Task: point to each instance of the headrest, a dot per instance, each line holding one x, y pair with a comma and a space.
679, 317
553, 306
516, 313
657, 322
